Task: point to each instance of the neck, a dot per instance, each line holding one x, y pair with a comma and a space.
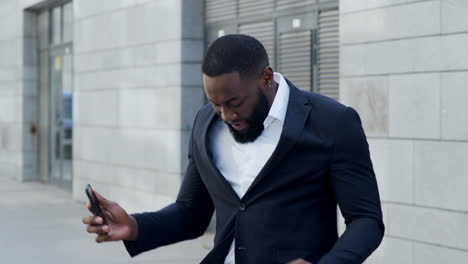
272, 93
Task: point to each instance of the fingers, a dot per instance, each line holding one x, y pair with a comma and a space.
100, 230
88, 205
103, 238
95, 226
108, 215
103, 201
92, 220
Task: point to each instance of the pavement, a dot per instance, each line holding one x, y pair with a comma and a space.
40, 223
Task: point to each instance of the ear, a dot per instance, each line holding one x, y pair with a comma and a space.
267, 77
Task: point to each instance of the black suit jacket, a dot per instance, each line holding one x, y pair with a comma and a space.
322, 159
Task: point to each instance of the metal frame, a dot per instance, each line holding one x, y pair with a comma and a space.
309, 24
51, 50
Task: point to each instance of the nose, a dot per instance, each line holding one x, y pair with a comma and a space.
228, 115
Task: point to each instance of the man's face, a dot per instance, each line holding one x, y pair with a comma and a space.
240, 102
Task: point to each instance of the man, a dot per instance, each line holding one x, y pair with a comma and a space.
274, 161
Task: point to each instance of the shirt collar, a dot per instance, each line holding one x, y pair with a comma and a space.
280, 102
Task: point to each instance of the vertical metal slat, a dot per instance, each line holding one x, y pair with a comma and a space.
289, 4
295, 58
43, 30
216, 10
252, 8
328, 54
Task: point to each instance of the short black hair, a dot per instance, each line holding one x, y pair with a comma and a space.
235, 53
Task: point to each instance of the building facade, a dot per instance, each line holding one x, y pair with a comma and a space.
105, 92
404, 67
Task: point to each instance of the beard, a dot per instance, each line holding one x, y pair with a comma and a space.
255, 122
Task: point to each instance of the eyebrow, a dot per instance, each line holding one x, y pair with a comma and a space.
228, 101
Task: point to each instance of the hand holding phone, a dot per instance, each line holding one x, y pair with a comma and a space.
118, 225
95, 206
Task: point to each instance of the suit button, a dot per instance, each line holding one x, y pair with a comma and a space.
241, 248
242, 207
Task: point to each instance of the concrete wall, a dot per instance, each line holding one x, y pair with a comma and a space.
404, 67
18, 93
138, 86
10, 127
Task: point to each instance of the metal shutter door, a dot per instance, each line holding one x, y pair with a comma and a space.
210, 36
213, 32
43, 35
250, 8
285, 4
264, 32
295, 58
216, 10
328, 54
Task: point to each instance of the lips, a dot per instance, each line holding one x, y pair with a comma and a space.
237, 125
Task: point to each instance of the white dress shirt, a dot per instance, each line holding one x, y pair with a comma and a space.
241, 163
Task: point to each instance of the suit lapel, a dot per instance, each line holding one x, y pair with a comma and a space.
296, 115
206, 153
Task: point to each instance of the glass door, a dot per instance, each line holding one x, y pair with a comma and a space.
61, 123
58, 93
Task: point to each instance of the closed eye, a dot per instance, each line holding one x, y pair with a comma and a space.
238, 104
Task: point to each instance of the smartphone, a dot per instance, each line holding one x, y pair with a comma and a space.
95, 207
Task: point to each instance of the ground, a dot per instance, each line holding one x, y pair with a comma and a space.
40, 223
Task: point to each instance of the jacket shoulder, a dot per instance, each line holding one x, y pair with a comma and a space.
325, 106
327, 116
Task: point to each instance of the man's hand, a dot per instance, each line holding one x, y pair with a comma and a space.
299, 261
120, 226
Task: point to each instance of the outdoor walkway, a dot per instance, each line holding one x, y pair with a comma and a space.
41, 224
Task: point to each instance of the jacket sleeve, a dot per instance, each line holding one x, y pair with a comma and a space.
356, 192
187, 218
